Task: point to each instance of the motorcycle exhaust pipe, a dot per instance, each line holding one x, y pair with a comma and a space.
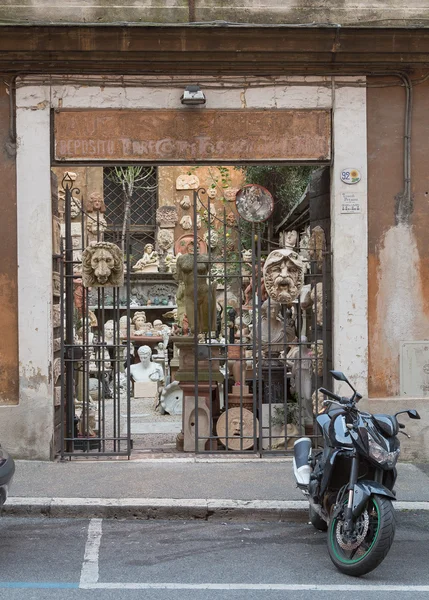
301, 467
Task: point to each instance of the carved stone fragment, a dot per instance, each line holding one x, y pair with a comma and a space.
187, 182
165, 239
166, 216
283, 275
102, 265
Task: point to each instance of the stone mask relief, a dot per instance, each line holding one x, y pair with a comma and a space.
283, 275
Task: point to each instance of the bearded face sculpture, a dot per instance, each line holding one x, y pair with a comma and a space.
283, 275
102, 265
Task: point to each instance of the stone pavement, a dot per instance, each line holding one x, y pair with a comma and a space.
178, 488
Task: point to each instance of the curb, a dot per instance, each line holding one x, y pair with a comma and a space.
170, 508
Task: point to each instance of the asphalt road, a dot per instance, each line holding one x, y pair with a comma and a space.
78, 559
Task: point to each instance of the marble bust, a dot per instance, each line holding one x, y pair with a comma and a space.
146, 370
283, 275
139, 319
108, 332
149, 262
289, 239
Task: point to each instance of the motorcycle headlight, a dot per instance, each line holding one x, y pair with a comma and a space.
380, 455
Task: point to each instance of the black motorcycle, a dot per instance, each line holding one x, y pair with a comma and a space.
350, 482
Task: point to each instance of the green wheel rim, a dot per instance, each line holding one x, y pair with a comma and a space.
352, 561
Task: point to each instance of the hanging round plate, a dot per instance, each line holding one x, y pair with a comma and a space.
182, 244
254, 203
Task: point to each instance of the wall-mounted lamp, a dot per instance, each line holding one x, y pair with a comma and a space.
192, 96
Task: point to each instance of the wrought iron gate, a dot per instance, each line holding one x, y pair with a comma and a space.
251, 369
95, 397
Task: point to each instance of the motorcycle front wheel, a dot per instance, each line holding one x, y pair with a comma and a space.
372, 537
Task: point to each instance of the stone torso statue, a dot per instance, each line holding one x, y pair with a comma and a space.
146, 370
185, 293
272, 327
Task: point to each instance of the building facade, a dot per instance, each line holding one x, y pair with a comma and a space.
371, 77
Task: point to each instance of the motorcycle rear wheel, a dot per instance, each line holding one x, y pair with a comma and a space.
373, 537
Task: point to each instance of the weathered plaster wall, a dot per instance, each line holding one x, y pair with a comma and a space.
8, 265
364, 12
349, 239
27, 429
398, 247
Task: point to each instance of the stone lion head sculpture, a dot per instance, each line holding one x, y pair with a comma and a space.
102, 265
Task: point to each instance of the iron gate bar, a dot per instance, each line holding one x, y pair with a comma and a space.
89, 358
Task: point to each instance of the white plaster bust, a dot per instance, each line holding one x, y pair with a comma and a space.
146, 370
108, 332
289, 239
139, 319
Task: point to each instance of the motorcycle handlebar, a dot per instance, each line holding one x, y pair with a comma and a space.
326, 392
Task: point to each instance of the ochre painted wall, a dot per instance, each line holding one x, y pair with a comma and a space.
8, 263
398, 244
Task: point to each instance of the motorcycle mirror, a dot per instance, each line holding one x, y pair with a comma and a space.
413, 414
339, 376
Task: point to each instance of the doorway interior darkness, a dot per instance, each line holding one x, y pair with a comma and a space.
191, 350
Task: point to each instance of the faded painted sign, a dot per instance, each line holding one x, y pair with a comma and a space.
191, 135
351, 203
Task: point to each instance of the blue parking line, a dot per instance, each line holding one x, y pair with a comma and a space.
38, 585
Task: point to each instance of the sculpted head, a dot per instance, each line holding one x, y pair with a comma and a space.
108, 330
145, 354
283, 275
96, 202
102, 265
148, 249
139, 319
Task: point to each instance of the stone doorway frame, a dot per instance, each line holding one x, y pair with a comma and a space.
348, 232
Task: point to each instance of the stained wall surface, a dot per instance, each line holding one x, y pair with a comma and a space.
362, 13
8, 265
398, 234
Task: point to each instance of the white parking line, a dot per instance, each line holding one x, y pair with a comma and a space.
89, 572
257, 586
